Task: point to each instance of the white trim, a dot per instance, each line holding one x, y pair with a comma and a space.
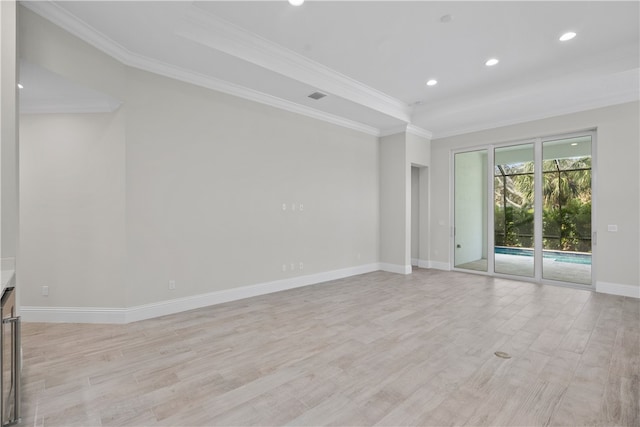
418, 131
603, 102
618, 289
219, 85
202, 27
395, 268
408, 128
73, 314
70, 23
437, 265
393, 131
163, 308
62, 18
244, 44
422, 263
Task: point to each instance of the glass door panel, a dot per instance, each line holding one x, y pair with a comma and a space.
566, 230
514, 193
470, 207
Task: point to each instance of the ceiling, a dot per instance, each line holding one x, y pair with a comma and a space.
373, 58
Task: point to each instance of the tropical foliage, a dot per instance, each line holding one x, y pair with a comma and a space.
566, 198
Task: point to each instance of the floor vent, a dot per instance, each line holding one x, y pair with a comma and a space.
502, 354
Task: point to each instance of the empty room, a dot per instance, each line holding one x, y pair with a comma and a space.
290, 212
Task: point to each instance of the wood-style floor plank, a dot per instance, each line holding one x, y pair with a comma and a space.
376, 349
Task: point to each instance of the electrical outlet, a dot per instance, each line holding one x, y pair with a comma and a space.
293, 266
301, 265
284, 267
45, 291
172, 285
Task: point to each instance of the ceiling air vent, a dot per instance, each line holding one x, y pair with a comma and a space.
317, 95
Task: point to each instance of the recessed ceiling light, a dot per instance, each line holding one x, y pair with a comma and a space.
432, 82
20, 86
445, 19
296, 2
491, 62
567, 36
573, 144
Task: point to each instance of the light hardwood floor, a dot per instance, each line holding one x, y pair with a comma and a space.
376, 349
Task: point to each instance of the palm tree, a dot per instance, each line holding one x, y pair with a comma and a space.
566, 179
566, 195
566, 189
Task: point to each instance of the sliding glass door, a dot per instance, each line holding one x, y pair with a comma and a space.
513, 214
470, 207
566, 229
530, 203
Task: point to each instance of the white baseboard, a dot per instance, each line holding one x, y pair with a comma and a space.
395, 268
73, 314
437, 265
424, 263
414, 262
178, 305
618, 289
163, 308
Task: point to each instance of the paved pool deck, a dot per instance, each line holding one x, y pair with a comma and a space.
520, 265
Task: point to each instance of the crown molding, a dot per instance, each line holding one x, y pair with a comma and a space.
418, 131
60, 17
409, 128
621, 87
202, 27
586, 106
229, 88
393, 131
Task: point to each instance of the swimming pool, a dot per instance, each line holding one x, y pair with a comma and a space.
570, 257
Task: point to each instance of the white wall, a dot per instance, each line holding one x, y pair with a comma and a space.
398, 153
418, 150
395, 188
617, 198
8, 136
182, 183
424, 212
72, 209
207, 175
187, 184
44, 44
419, 157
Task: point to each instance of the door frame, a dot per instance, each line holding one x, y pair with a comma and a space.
538, 214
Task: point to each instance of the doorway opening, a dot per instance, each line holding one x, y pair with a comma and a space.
419, 216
